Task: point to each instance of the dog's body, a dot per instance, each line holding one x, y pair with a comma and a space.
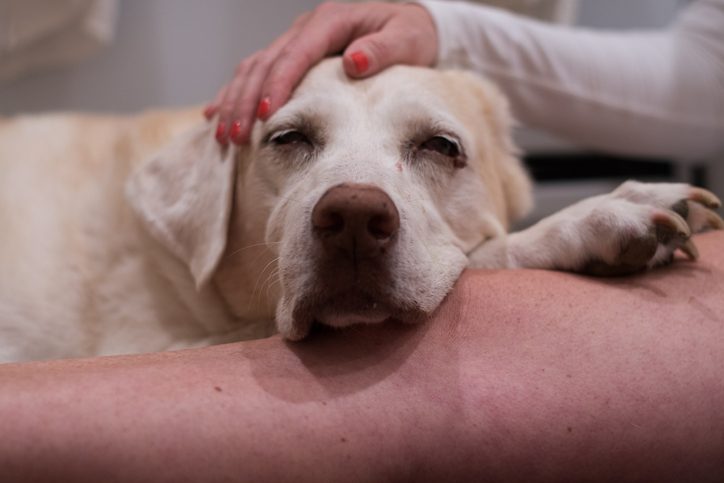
357, 202
78, 276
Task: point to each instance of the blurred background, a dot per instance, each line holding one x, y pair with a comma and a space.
123, 56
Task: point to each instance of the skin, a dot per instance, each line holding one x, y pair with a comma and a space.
522, 375
383, 33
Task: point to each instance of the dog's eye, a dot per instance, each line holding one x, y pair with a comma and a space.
447, 148
441, 145
290, 137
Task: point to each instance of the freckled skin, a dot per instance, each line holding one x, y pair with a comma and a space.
522, 375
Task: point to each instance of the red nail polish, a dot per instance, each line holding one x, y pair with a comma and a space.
235, 129
220, 131
208, 112
361, 62
264, 107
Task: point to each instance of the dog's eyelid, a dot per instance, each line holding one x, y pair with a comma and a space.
433, 142
288, 137
309, 127
274, 134
444, 130
448, 137
453, 140
281, 132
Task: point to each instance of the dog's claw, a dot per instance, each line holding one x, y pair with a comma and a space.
673, 221
714, 221
705, 197
690, 249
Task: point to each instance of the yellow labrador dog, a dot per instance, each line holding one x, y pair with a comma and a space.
357, 202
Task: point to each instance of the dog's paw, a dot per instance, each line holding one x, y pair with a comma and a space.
641, 225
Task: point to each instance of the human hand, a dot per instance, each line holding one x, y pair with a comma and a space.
372, 35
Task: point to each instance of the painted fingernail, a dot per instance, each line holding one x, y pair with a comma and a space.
264, 107
236, 136
361, 62
235, 129
208, 112
220, 131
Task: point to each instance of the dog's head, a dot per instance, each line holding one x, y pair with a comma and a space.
360, 197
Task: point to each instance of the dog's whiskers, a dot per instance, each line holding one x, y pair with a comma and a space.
300, 187
289, 199
251, 300
297, 187
250, 246
273, 273
262, 253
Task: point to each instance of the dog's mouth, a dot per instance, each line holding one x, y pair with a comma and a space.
355, 237
353, 307
350, 307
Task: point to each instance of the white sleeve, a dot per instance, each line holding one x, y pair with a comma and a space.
656, 93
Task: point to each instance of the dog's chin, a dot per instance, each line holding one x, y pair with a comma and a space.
343, 310
343, 318
350, 307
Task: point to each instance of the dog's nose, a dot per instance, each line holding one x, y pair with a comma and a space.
359, 220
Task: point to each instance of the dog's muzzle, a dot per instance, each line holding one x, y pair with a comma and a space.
355, 228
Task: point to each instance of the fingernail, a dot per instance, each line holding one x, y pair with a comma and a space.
220, 131
235, 134
361, 62
235, 129
264, 107
208, 112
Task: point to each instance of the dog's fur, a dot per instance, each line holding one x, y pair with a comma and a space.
109, 245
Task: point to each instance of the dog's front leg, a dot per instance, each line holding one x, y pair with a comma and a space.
637, 226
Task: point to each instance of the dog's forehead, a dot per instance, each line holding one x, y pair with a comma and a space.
397, 95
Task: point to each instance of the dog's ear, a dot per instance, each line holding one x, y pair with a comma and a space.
183, 196
516, 184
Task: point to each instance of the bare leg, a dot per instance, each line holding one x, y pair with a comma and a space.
523, 374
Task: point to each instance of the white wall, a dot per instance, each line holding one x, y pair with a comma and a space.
166, 53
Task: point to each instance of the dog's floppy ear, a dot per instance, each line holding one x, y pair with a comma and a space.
514, 179
183, 196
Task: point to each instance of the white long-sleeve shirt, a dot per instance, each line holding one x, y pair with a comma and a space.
653, 93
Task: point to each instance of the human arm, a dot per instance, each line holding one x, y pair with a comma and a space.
654, 93
521, 375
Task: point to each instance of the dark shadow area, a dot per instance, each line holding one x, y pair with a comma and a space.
571, 166
337, 362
